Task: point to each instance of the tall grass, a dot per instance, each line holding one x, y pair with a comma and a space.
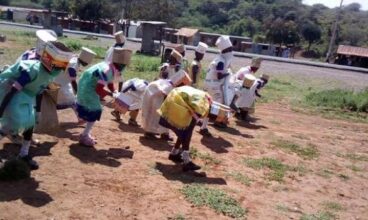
338, 99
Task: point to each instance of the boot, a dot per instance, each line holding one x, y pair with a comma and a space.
175, 158
205, 132
166, 137
190, 167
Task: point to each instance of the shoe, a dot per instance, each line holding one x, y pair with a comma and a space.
116, 114
205, 132
190, 167
166, 137
132, 122
33, 165
176, 158
87, 140
150, 135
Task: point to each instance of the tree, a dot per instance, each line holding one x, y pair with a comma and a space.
92, 10
282, 32
311, 33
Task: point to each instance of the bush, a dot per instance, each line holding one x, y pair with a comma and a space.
145, 64
74, 45
340, 100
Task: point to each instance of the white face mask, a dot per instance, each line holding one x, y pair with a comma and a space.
228, 56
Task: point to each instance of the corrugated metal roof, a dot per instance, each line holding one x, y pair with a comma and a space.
352, 51
187, 32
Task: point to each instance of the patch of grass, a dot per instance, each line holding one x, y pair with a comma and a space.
73, 44
321, 215
355, 168
144, 63
325, 173
205, 157
215, 199
332, 206
309, 152
301, 136
278, 168
339, 99
353, 156
277, 90
241, 178
300, 169
282, 208
177, 217
343, 176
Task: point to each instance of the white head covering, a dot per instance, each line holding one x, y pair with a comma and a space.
44, 36
201, 48
223, 42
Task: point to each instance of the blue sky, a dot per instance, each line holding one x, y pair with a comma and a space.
336, 3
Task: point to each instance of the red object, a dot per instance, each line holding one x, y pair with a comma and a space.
101, 91
111, 87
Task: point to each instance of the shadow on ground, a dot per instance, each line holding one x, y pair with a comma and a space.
26, 191
155, 144
175, 173
104, 157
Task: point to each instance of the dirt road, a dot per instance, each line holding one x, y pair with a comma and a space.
129, 177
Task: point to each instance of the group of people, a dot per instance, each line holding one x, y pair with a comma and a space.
171, 102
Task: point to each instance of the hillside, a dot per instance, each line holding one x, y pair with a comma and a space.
274, 21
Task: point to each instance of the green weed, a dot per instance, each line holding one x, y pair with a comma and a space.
339, 99
241, 178
215, 199
278, 168
205, 157
332, 206
321, 215
308, 152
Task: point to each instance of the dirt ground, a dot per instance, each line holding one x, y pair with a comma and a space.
128, 177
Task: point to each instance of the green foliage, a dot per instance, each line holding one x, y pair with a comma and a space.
353, 157
72, 44
340, 100
321, 215
215, 199
145, 63
92, 10
311, 33
207, 158
283, 21
241, 178
332, 206
4, 2
308, 152
14, 170
278, 168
